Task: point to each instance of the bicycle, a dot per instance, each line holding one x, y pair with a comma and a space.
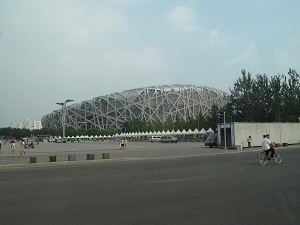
263, 158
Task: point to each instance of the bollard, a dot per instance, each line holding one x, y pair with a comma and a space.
238, 147
71, 158
90, 156
32, 159
105, 155
52, 158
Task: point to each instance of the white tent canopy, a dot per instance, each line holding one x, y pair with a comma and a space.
202, 131
189, 131
146, 134
210, 130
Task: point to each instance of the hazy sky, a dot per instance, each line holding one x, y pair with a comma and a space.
53, 50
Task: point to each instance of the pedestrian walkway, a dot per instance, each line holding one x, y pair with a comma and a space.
102, 151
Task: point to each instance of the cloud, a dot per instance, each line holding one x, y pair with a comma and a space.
215, 39
148, 60
81, 32
109, 20
123, 2
182, 18
248, 55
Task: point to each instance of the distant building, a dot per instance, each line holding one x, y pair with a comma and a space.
37, 125
27, 124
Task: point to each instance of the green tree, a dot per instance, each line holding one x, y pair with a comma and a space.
265, 100
241, 99
291, 97
200, 120
213, 118
262, 100
277, 100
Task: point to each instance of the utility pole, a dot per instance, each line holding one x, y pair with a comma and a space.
225, 147
63, 119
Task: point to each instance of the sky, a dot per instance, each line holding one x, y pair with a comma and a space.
53, 50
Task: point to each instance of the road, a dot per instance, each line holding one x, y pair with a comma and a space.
229, 188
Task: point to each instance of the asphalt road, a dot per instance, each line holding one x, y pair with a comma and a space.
229, 188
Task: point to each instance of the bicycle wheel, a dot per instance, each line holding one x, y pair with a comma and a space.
277, 157
262, 158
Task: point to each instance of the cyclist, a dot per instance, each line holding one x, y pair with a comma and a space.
268, 146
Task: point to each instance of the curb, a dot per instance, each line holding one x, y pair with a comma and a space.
66, 163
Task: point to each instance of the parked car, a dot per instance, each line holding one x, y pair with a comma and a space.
211, 141
154, 138
169, 138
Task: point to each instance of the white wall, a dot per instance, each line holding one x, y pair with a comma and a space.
279, 133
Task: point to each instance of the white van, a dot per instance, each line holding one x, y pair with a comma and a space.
154, 138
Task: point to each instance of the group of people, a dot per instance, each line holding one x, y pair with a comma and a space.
22, 148
267, 145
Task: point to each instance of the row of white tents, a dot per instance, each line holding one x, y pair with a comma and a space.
141, 134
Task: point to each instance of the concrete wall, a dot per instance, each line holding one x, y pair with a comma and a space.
279, 133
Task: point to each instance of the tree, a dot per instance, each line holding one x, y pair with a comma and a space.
241, 98
213, 118
262, 100
291, 97
200, 119
265, 100
276, 105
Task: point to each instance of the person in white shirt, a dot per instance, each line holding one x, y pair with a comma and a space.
23, 146
267, 145
122, 144
12, 148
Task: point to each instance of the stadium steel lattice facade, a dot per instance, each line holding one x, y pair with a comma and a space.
155, 103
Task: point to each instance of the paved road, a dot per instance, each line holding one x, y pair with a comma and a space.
223, 188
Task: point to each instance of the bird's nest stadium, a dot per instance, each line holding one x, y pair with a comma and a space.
151, 104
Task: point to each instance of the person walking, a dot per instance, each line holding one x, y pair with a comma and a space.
122, 144
0, 145
249, 139
23, 146
12, 148
126, 143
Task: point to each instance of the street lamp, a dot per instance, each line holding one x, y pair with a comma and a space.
63, 117
225, 146
138, 131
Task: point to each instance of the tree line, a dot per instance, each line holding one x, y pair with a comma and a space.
129, 126
252, 99
264, 99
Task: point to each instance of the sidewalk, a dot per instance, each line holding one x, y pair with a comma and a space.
107, 151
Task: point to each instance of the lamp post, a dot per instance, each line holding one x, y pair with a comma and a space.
225, 147
63, 117
138, 131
